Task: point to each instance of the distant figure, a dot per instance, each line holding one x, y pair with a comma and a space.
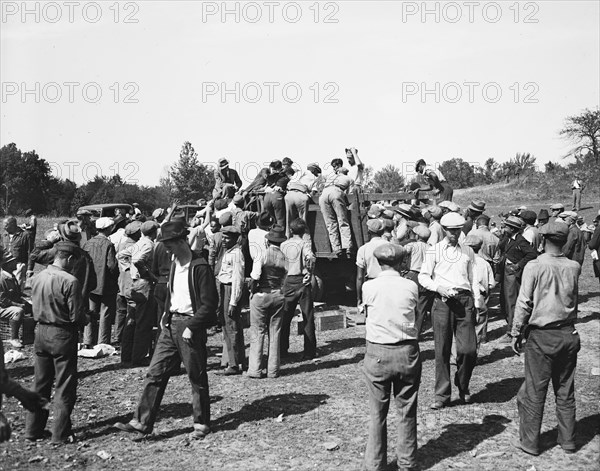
577, 186
545, 315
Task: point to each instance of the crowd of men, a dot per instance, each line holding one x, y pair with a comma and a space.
163, 284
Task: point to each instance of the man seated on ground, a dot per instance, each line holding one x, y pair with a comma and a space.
12, 304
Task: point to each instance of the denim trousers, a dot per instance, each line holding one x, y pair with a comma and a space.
234, 348
296, 292
55, 350
549, 355
392, 369
453, 317
170, 351
266, 313
103, 309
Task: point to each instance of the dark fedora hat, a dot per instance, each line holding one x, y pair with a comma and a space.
276, 234
172, 230
543, 215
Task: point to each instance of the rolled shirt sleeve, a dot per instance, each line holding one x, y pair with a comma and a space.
426, 275
524, 305
237, 279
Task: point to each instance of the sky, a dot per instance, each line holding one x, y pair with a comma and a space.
117, 87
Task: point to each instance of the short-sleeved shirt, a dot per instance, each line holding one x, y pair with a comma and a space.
366, 260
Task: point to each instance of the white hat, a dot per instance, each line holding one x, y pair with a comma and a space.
452, 221
450, 205
104, 223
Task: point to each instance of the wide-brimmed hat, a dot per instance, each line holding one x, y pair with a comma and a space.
276, 234
515, 222
404, 210
477, 206
172, 230
223, 163
314, 166
70, 230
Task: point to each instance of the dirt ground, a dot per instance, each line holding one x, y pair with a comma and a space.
325, 414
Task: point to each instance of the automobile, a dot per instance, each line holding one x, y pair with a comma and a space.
188, 210
106, 209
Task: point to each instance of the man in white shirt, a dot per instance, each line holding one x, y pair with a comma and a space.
577, 186
448, 271
434, 214
392, 362
231, 283
256, 237
367, 265
357, 168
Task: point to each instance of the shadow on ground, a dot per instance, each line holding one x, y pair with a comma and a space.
460, 438
500, 391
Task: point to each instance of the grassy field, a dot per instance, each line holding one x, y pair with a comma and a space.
324, 407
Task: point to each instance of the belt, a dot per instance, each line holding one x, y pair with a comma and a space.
553, 325
172, 313
296, 189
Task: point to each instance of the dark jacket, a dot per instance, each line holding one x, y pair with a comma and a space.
594, 244
42, 254
203, 292
574, 248
518, 251
102, 253
18, 247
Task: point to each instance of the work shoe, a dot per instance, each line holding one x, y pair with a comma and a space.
133, 426
229, 371
516, 442
15, 343
465, 398
200, 431
437, 405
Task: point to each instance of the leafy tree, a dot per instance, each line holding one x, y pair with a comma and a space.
490, 170
25, 176
524, 164
389, 179
584, 131
460, 174
368, 182
190, 180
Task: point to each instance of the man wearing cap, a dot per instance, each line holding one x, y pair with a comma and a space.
542, 218
516, 253
298, 195
86, 226
242, 219
30, 227
449, 207
103, 297
225, 177
555, 210
484, 276
401, 218
118, 230
392, 363
574, 248
137, 333
530, 232
416, 250
473, 211
433, 215
266, 305
15, 244
230, 279
131, 235
367, 266
435, 181
190, 308
334, 207
59, 310
577, 186
489, 242
297, 288
256, 237
277, 183
448, 271
545, 315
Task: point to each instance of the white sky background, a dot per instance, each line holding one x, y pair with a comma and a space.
371, 53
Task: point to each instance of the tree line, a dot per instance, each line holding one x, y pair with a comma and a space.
26, 179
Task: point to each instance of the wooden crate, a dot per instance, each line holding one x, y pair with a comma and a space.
26, 332
330, 319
